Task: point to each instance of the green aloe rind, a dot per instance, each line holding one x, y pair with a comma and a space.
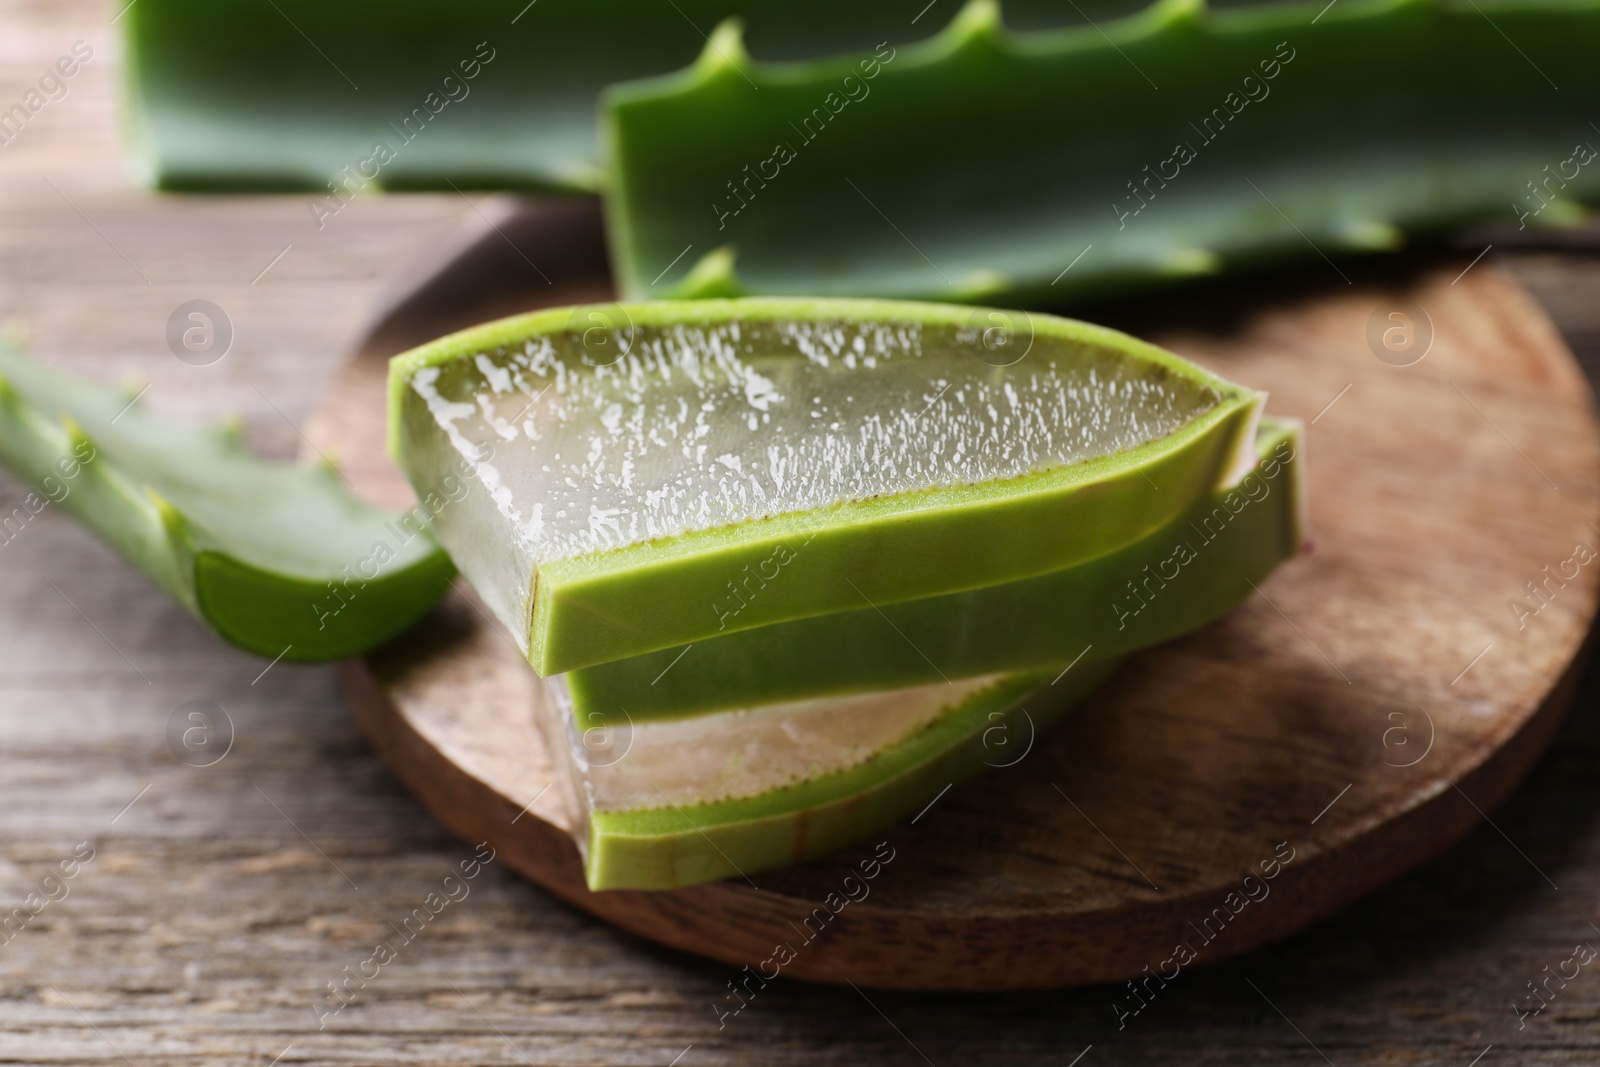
1216, 553
1035, 168
648, 595
399, 94
280, 559
1193, 570
672, 846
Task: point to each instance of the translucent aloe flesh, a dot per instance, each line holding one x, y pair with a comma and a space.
1016, 167
668, 804
1191, 571
295, 94
854, 453
278, 558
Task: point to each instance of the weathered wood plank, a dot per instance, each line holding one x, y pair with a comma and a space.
206, 924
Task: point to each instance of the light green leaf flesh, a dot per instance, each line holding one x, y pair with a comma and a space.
873, 451
278, 558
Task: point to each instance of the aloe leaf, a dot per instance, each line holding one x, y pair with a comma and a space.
668, 804
278, 558
689, 469
1195, 569
1041, 167
299, 94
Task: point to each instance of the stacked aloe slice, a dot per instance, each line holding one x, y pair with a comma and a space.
785, 565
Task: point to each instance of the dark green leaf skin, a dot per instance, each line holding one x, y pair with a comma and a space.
247, 95
980, 165
1192, 571
265, 612
280, 559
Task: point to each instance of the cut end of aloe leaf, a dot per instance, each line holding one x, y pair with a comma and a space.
665, 805
280, 559
633, 477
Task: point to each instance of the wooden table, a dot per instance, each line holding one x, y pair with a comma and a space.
221, 900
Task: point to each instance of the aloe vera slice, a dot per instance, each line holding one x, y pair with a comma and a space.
1195, 569
663, 494
278, 558
668, 804
298, 94
1028, 168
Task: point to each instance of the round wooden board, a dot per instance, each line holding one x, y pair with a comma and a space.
1360, 714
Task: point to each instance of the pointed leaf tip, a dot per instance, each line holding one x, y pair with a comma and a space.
980, 285
1563, 214
978, 20
134, 385
1190, 262
172, 520
78, 440
1179, 12
724, 52
230, 431
713, 277
1373, 234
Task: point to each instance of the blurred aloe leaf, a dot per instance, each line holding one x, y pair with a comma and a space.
1034, 168
295, 94
278, 558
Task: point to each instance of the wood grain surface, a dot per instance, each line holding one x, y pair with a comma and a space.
1326, 733
212, 915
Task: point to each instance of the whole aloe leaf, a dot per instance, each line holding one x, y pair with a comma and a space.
278, 558
1025, 168
1195, 569
641, 476
299, 94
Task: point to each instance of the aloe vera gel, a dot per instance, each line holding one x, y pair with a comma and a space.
708, 467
